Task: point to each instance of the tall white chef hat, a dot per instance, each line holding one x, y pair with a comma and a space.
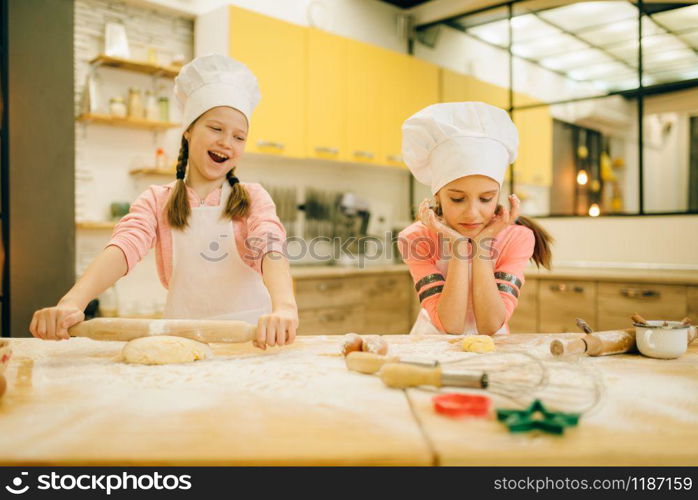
215, 80
444, 142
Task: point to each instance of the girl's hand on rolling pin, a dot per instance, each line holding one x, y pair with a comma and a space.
277, 328
429, 218
52, 323
502, 219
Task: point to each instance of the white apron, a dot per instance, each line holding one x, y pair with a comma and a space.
423, 324
209, 278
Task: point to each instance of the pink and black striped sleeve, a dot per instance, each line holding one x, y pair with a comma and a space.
419, 249
510, 265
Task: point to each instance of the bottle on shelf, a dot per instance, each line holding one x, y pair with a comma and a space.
152, 111
164, 105
135, 105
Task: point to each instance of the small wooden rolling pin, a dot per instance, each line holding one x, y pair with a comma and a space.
602, 343
201, 330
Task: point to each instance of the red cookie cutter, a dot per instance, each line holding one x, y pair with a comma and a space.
462, 405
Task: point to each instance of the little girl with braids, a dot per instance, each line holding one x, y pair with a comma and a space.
218, 242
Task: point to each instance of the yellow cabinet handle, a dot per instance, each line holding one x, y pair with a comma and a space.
326, 150
395, 158
364, 154
270, 144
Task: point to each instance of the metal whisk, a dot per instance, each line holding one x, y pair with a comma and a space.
517, 376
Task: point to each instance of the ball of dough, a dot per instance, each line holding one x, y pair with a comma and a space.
165, 349
478, 343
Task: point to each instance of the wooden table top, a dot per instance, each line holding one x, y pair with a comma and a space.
73, 402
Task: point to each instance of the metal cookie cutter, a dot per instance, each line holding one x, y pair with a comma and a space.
537, 417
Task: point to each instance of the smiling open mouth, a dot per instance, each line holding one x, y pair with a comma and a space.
217, 157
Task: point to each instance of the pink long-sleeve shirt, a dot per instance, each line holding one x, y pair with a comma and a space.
146, 225
512, 248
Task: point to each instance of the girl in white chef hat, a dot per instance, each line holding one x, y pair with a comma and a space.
219, 242
466, 253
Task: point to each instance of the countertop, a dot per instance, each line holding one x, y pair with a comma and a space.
605, 274
73, 402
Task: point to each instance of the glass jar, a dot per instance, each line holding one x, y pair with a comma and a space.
117, 107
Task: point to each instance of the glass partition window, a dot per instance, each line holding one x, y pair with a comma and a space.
604, 95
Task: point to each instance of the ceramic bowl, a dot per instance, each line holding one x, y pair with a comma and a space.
662, 339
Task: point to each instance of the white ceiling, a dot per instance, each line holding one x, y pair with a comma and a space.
596, 42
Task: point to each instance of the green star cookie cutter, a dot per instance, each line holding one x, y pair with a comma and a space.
537, 417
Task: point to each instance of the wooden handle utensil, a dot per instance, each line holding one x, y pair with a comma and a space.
596, 343
403, 375
125, 329
368, 362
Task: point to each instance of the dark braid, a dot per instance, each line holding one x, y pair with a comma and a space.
178, 209
183, 159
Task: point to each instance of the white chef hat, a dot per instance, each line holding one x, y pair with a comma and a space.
444, 142
215, 80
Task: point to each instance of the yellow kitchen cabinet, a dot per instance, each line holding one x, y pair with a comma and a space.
456, 87
327, 81
362, 101
407, 85
534, 164
275, 51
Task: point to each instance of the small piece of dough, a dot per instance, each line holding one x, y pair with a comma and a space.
351, 342
478, 343
165, 349
374, 344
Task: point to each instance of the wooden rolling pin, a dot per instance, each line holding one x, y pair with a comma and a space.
196, 329
602, 343
368, 362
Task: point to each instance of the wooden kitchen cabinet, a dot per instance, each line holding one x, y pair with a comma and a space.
327, 81
692, 309
525, 317
331, 320
618, 301
388, 304
377, 304
560, 302
328, 292
275, 51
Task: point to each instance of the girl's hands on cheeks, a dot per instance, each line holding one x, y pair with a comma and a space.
503, 218
428, 217
277, 328
52, 323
